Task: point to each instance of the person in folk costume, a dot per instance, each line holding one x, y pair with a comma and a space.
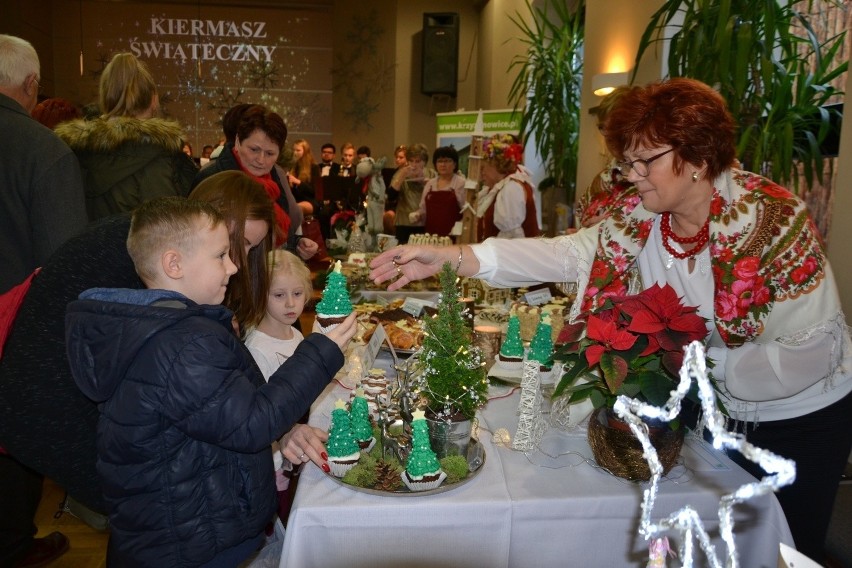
506, 207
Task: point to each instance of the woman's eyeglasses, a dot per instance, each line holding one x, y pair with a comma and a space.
642, 167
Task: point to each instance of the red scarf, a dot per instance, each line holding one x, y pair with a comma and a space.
273, 190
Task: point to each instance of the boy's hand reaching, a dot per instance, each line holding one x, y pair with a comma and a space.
344, 332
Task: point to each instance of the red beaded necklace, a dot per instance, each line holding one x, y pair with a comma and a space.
699, 239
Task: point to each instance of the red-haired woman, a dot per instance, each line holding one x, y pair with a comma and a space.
739, 247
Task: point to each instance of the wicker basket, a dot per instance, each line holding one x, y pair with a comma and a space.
616, 448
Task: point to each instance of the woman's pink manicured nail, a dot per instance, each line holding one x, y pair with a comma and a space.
325, 468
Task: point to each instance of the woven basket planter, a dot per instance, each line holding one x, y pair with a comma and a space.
616, 448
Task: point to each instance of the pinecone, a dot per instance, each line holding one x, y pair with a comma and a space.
387, 476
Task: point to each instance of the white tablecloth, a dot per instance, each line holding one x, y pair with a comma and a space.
546, 508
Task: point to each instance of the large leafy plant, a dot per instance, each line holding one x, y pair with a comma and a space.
766, 60
632, 345
547, 86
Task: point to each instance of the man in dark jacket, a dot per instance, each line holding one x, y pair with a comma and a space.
187, 421
41, 189
41, 205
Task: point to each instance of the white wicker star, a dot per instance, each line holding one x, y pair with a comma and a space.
686, 520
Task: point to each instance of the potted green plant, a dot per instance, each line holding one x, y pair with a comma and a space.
631, 345
450, 375
547, 86
776, 76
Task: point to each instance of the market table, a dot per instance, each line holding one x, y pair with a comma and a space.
549, 507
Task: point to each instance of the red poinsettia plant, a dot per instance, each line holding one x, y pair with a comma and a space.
631, 345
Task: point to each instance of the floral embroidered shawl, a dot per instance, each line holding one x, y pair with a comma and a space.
764, 249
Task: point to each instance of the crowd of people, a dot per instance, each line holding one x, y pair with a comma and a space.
157, 303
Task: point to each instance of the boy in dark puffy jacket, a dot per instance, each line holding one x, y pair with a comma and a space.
186, 419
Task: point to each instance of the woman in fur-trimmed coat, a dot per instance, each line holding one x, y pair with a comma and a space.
128, 156
126, 161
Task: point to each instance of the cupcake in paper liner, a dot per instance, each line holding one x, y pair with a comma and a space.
545, 374
511, 355
425, 483
335, 304
541, 348
340, 465
362, 428
343, 450
422, 469
508, 363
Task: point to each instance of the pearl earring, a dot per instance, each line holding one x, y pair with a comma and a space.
694, 177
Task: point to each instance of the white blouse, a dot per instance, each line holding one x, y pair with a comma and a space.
531, 261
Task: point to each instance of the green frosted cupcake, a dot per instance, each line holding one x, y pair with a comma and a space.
422, 470
335, 304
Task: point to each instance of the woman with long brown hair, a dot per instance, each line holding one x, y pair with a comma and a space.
249, 215
302, 176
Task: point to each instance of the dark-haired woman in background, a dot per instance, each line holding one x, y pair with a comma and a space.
258, 137
443, 196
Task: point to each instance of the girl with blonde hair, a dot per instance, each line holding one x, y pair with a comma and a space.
272, 342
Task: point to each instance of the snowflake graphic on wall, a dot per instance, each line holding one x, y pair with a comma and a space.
103, 59
225, 99
264, 75
362, 76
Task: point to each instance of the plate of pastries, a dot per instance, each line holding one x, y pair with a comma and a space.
404, 331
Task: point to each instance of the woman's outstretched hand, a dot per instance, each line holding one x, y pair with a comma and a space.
412, 262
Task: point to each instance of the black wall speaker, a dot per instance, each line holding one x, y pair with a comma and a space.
440, 56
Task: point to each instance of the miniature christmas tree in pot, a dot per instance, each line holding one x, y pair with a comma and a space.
452, 373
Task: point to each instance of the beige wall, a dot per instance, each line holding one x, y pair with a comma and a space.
497, 49
414, 112
840, 233
613, 31
404, 114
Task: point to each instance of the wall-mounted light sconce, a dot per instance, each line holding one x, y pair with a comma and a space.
81, 37
605, 83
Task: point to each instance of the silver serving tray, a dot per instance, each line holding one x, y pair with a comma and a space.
475, 463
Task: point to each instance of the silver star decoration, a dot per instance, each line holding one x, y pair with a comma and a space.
686, 520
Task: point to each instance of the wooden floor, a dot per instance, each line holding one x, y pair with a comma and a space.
88, 546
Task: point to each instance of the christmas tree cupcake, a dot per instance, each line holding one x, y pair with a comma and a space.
541, 347
343, 449
335, 304
511, 355
361, 426
422, 470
